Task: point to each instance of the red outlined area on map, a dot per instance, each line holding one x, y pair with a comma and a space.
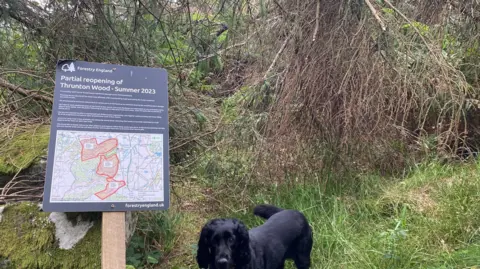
91, 149
107, 166
112, 187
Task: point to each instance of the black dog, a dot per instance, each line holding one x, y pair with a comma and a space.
226, 243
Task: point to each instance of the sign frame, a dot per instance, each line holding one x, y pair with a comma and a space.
140, 83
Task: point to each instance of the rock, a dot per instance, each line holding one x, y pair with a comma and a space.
96, 217
5, 263
131, 219
66, 233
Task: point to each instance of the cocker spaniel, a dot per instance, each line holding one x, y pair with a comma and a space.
227, 243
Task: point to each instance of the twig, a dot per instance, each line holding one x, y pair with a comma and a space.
375, 14
27, 189
281, 8
317, 15
25, 92
284, 45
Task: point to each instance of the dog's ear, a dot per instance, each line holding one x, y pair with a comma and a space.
203, 251
242, 255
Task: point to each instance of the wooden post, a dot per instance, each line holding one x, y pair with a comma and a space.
113, 240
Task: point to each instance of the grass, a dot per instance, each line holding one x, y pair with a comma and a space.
429, 219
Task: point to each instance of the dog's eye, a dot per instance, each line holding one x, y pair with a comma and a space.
230, 240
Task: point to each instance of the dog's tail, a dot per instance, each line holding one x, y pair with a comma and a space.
266, 211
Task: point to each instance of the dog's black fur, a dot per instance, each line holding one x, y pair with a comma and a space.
227, 243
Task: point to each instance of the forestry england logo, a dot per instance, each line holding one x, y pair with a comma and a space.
68, 68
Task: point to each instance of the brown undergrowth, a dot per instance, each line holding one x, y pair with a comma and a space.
376, 98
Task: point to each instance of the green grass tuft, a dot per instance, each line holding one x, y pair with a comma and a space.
153, 240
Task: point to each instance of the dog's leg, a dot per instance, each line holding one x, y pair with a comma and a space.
304, 248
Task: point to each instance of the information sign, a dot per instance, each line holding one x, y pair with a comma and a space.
109, 138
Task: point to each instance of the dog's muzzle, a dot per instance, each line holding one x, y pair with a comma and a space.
223, 263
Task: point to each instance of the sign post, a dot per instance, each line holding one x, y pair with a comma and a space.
113, 240
108, 149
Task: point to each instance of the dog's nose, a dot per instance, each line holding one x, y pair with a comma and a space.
222, 261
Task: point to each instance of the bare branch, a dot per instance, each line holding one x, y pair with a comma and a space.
317, 15
26, 13
375, 14
284, 45
34, 94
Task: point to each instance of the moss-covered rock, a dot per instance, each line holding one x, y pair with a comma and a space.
19, 150
28, 241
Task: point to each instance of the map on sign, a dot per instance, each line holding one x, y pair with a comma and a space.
109, 167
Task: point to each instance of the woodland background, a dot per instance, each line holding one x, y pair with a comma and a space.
364, 114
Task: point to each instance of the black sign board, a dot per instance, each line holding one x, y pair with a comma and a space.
108, 146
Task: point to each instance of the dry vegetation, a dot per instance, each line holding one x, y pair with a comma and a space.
373, 84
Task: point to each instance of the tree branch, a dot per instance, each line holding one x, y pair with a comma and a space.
24, 12
317, 15
375, 14
284, 45
29, 93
